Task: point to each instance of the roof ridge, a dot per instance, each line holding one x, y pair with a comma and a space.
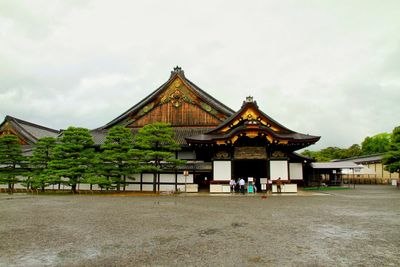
134, 107
31, 124
361, 156
21, 130
208, 95
246, 105
176, 73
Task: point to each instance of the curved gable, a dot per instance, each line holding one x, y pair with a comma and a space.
178, 102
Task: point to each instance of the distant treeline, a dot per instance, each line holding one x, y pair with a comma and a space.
380, 143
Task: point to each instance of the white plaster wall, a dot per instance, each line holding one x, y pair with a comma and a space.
189, 178
167, 187
181, 188
84, 186
147, 178
167, 178
278, 168
147, 187
134, 187
296, 171
222, 170
18, 186
65, 187
133, 177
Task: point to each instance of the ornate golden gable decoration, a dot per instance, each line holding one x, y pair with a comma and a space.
177, 93
250, 115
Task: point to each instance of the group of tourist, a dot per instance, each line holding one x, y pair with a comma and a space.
237, 186
240, 186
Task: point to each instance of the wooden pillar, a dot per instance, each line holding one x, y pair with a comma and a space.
176, 180
141, 181
158, 182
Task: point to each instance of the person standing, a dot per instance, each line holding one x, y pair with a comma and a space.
232, 184
279, 185
241, 185
269, 185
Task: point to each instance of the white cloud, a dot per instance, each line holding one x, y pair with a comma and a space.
320, 67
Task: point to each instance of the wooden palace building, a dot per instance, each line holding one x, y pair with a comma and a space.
217, 142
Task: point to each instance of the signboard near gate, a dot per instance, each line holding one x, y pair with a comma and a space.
250, 152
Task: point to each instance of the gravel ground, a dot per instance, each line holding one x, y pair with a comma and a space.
349, 227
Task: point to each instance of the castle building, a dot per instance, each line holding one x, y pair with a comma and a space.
217, 142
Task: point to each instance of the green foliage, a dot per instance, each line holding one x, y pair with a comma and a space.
10, 150
371, 145
352, 151
102, 181
378, 143
40, 180
11, 160
41, 157
331, 153
73, 157
156, 136
392, 157
158, 148
118, 159
43, 153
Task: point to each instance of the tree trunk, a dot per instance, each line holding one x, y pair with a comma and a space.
42, 188
124, 183
73, 188
158, 182
10, 191
119, 185
154, 182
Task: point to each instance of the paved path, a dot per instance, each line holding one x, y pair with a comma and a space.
342, 228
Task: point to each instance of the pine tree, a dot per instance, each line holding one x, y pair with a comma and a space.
117, 157
73, 157
158, 148
41, 157
11, 160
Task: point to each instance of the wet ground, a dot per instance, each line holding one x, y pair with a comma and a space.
358, 227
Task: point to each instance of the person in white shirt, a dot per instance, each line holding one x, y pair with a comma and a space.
232, 184
241, 185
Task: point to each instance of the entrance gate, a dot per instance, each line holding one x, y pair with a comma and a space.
250, 168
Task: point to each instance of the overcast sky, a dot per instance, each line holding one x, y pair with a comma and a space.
328, 68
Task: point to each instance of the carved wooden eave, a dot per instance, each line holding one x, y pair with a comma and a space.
178, 102
252, 123
28, 133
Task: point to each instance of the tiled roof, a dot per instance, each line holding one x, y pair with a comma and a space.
245, 106
295, 139
363, 159
211, 100
37, 131
335, 165
197, 166
99, 135
29, 131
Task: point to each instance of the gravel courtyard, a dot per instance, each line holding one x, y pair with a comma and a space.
349, 227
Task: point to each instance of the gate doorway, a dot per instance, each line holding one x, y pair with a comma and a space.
250, 168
